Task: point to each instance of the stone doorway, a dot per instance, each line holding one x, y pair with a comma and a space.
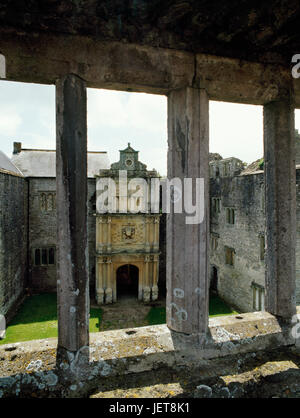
127, 281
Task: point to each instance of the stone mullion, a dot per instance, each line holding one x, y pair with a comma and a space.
187, 245
280, 206
72, 243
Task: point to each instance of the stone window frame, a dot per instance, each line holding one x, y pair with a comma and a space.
229, 256
226, 168
230, 215
214, 241
258, 292
262, 246
44, 251
262, 198
216, 205
47, 194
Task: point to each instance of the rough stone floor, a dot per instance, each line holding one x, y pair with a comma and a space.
128, 312
273, 374
254, 375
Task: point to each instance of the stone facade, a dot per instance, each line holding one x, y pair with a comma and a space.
127, 245
237, 233
29, 206
38, 167
13, 240
42, 234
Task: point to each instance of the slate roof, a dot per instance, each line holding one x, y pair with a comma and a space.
7, 166
42, 163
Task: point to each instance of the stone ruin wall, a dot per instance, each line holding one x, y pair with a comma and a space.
13, 241
245, 193
42, 233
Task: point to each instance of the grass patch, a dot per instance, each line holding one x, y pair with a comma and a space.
156, 316
217, 307
37, 319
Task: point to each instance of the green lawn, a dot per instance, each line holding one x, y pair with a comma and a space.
37, 318
217, 307
156, 316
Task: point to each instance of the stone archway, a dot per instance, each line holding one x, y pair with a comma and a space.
127, 280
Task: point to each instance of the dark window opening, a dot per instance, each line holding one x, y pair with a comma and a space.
37, 257
44, 256
51, 256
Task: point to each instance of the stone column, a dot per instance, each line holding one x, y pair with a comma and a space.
109, 287
99, 238
99, 281
146, 288
156, 233
109, 234
280, 206
147, 234
187, 244
72, 245
154, 291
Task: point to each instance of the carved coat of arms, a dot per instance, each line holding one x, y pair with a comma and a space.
128, 232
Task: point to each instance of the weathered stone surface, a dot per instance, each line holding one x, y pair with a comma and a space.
244, 193
71, 203
13, 241
187, 244
42, 233
226, 362
240, 30
280, 192
135, 67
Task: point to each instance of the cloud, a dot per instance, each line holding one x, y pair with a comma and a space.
115, 118
236, 130
148, 111
139, 110
10, 121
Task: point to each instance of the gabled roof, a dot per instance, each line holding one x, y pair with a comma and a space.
7, 166
42, 163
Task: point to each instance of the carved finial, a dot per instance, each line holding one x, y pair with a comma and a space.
128, 144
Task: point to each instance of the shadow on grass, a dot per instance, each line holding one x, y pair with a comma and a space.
37, 319
217, 307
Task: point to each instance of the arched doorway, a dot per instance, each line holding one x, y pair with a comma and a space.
127, 281
214, 280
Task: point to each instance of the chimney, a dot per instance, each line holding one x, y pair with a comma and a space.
17, 147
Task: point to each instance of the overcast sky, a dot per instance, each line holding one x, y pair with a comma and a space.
116, 118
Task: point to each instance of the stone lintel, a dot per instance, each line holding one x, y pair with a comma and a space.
130, 67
